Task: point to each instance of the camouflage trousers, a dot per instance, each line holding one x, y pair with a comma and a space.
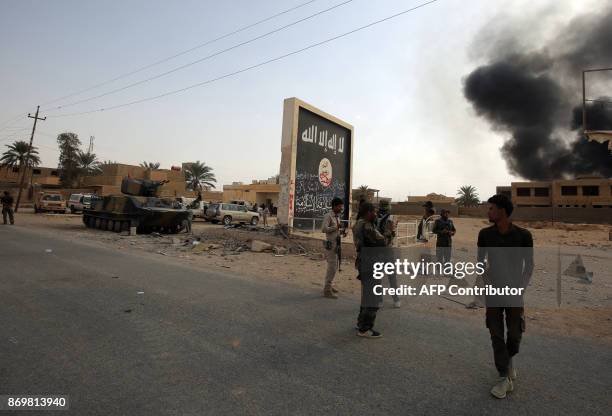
8, 212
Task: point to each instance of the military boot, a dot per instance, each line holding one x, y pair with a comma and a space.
328, 293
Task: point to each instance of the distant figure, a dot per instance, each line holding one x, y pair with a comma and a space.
255, 207
266, 213
444, 229
189, 222
7, 208
428, 212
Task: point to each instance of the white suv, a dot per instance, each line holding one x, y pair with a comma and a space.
228, 213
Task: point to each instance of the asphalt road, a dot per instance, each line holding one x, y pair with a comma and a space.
198, 342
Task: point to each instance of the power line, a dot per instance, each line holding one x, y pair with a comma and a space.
16, 131
4, 123
163, 74
167, 58
12, 136
14, 124
201, 45
249, 68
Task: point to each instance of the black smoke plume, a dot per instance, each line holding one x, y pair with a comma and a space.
534, 95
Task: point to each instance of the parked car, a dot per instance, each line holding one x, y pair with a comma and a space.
231, 213
198, 208
48, 201
185, 201
77, 202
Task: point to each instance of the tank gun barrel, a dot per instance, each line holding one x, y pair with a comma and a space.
141, 187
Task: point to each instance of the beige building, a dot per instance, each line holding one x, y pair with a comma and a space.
373, 195
38, 175
504, 190
109, 181
531, 194
258, 192
433, 197
212, 196
581, 192
36, 179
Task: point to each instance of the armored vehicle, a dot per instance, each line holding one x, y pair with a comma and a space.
138, 207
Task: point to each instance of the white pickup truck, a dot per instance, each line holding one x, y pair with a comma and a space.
197, 207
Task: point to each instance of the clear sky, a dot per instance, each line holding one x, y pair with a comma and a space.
399, 83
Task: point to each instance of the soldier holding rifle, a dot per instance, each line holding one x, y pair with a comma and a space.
334, 230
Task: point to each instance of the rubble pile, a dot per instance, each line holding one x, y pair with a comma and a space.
197, 245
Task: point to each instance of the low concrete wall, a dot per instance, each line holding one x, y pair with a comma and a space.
570, 215
416, 208
479, 211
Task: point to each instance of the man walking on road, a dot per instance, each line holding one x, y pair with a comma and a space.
332, 228
366, 235
508, 250
7, 207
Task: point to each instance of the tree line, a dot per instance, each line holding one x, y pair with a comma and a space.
467, 196
74, 163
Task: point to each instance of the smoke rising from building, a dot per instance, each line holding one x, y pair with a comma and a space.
536, 94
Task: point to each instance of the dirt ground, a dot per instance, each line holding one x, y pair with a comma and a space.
558, 304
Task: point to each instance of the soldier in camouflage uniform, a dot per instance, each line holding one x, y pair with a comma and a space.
385, 223
7, 208
365, 234
333, 229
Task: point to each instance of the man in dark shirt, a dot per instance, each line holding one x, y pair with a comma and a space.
508, 250
366, 235
444, 229
7, 207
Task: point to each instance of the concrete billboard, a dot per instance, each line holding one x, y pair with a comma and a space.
316, 165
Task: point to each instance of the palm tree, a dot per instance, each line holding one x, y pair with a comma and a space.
16, 155
150, 165
364, 193
198, 175
468, 197
88, 164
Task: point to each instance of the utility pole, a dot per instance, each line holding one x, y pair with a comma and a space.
27, 158
91, 144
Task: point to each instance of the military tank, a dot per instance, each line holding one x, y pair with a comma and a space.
138, 207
